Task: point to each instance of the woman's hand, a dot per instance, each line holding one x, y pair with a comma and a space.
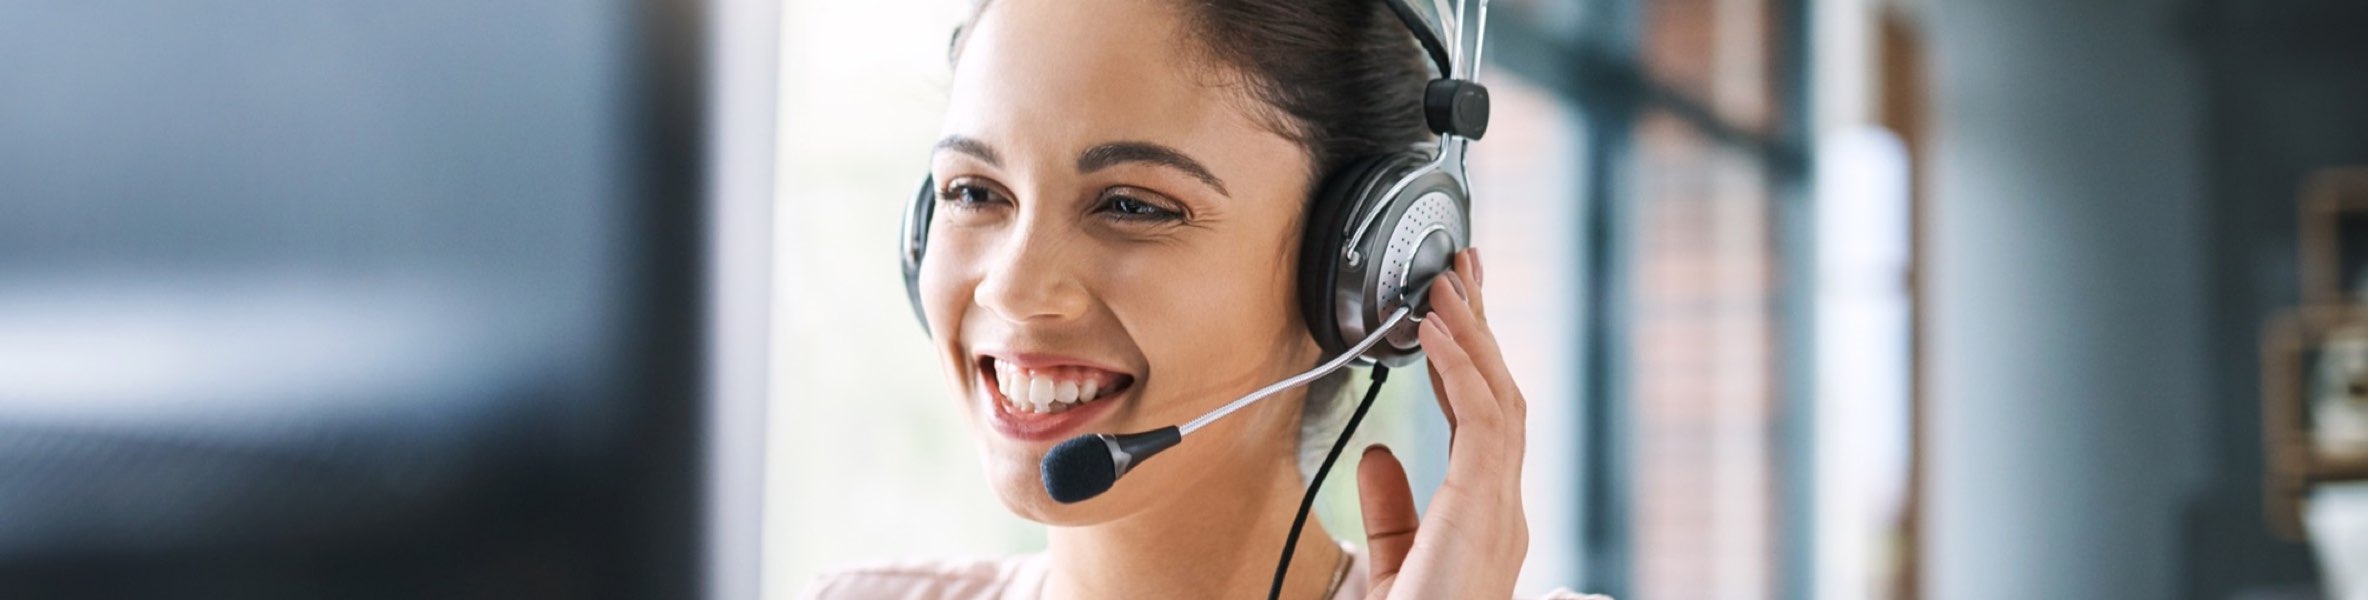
1472, 542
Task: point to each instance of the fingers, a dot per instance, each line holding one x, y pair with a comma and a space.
1390, 518
1477, 341
1459, 310
1468, 262
1468, 396
1445, 287
1439, 394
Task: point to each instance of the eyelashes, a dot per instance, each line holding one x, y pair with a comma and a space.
1122, 204
1138, 205
963, 194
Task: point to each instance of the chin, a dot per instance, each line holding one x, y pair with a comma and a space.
1018, 484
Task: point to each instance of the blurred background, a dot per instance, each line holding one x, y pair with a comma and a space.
1831, 299
381, 299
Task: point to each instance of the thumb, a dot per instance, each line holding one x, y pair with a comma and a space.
1388, 504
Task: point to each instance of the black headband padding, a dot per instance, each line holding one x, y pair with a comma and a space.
1425, 34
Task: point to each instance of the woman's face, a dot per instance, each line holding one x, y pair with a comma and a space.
1113, 221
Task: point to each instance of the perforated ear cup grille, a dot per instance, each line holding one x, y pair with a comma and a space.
1422, 244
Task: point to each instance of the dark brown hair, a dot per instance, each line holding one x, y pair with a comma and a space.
1343, 78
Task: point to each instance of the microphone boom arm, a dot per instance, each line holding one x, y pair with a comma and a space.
1396, 318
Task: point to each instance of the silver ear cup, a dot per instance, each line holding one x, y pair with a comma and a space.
1402, 244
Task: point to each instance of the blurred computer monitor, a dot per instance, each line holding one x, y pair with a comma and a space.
367, 299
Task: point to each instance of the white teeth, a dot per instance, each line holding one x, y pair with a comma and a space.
1005, 379
1033, 393
1040, 391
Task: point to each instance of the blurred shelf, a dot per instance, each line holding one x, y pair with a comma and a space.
2337, 470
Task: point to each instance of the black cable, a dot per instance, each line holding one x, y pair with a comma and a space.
1291, 544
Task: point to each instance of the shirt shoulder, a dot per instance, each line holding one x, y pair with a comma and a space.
1003, 578
1359, 577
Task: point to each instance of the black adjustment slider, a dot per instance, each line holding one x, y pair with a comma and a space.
1456, 107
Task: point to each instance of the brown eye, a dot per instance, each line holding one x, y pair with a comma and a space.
1130, 205
967, 196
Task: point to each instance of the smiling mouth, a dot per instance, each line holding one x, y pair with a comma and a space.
1050, 390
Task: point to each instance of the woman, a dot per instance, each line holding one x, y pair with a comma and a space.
1121, 186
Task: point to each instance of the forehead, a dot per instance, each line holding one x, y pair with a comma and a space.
1055, 77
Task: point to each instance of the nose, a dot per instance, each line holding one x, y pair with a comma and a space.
1033, 277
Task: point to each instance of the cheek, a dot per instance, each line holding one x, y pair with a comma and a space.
948, 278
1212, 330
944, 287
942, 294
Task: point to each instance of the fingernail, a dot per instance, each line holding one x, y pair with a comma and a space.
1479, 273
1457, 282
1370, 449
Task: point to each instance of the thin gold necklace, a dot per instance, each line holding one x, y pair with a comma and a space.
1339, 574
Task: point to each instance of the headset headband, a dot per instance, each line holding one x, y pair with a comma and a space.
1454, 105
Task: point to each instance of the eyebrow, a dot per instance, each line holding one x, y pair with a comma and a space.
1116, 153
1102, 157
971, 147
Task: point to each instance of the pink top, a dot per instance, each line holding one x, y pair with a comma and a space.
1009, 578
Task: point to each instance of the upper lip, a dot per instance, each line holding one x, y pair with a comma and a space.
1040, 360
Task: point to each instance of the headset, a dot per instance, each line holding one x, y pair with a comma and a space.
1378, 230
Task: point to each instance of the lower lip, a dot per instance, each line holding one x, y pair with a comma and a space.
1042, 427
